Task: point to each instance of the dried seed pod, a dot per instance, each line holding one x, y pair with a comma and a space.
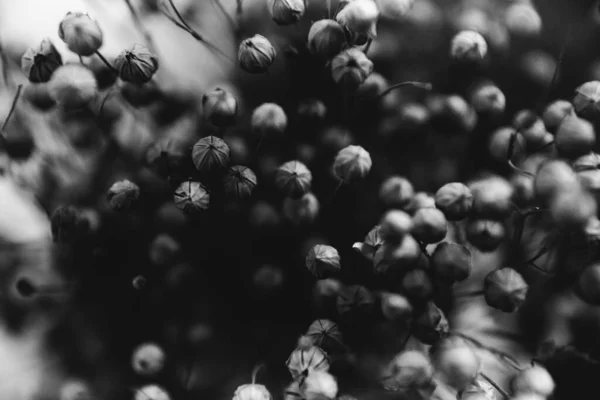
286, 12
137, 65
429, 225
323, 261
587, 168
536, 380
151, 392
531, 127
485, 235
418, 201
522, 19
395, 224
417, 285
239, 181
555, 112
294, 179
352, 163
468, 46
492, 197
210, 153
575, 137
219, 107
355, 299
396, 192
431, 325
325, 334
451, 262
123, 195
81, 33
488, 98
395, 307
500, 142
319, 385
359, 17
38, 64
256, 54
505, 289
326, 38
554, 177
269, 118
351, 68
587, 100
306, 359
75, 390
409, 369
455, 200
191, 197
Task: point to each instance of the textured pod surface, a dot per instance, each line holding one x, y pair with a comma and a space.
293, 178
323, 260
239, 181
505, 289
454, 200
191, 197
303, 361
210, 153
352, 163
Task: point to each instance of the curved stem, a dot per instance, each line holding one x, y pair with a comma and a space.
255, 372
422, 85
10, 114
519, 170
107, 63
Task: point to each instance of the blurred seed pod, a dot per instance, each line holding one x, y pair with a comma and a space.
302, 211
521, 18
294, 179
554, 177
588, 284
268, 279
72, 86
418, 201
148, 359
323, 261
68, 224
351, 67
252, 391
319, 385
355, 300
263, 215
81, 33
268, 119
394, 9
139, 282
575, 137
455, 200
311, 111
123, 195
587, 168
191, 197
539, 67
573, 209
219, 107
239, 181
468, 46
395, 307
456, 363
505, 289
256, 54
500, 142
409, 369
137, 65
417, 285
75, 390
305, 360
335, 138
352, 163
485, 235
359, 17
536, 380
487, 98
286, 12
451, 262
164, 250
429, 225
326, 38
555, 112
491, 197
452, 112
372, 242
151, 392
38, 64
480, 389
431, 325
391, 255
396, 192
394, 225
210, 153
531, 126
586, 101
326, 335
372, 87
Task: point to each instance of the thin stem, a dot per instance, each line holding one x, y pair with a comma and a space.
81, 60
544, 147
368, 46
178, 14
255, 371
508, 359
229, 18
423, 248
495, 385
329, 9
540, 253
423, 85
184, 26
105, 61
140, 26
510, 151
10, 114
559, 62
519, 170
4, 66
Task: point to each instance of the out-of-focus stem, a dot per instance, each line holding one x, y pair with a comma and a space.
255, 372
508, 359
368, 46
239, 9
4, 66
140, 26
10, 114
422, 85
